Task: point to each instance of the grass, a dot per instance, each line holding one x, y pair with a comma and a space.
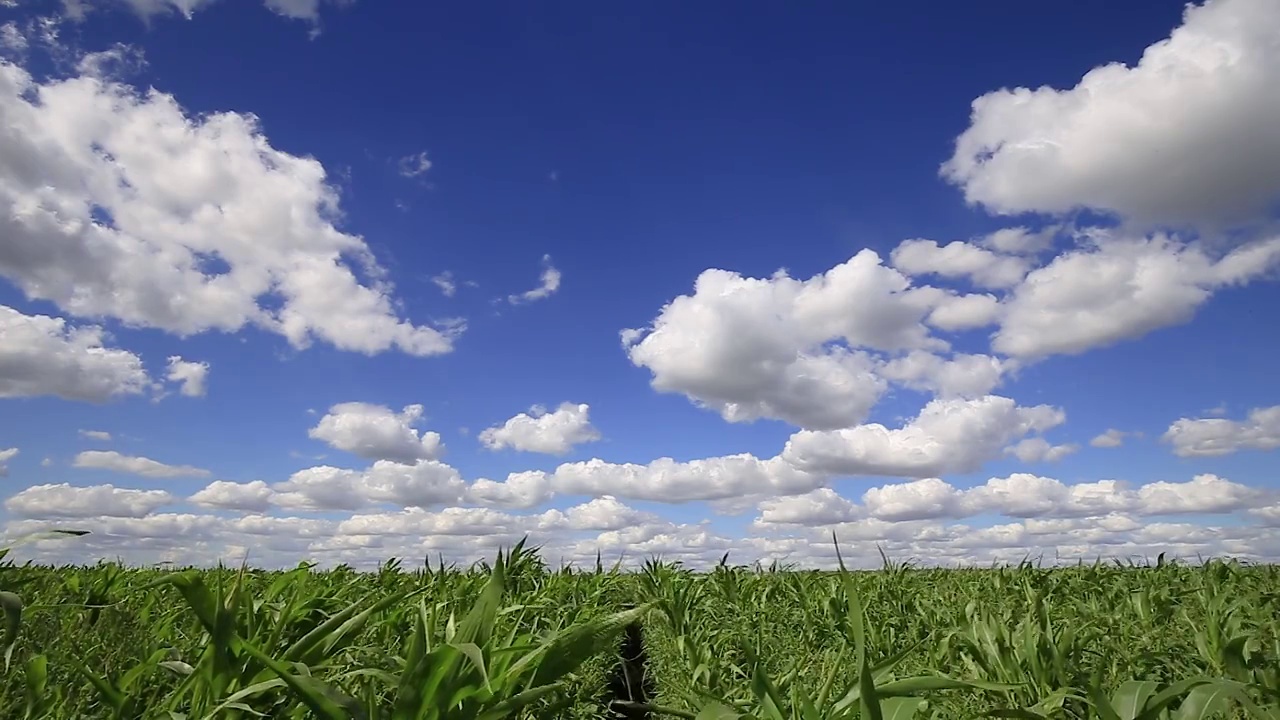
514, 639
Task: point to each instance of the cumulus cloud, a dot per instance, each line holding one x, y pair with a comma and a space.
377, 433
1112, 438
1019, 240
190, 374
118, 203
1020, 495
548, 283
42, 355
601, 514
421, 484
66, 501
99, 435
519, 490
553, 433
225, 495
1208, 437
965, 312
667, 480
958, 259
146, 467
822, 506
1122, 140
948, 436
1119, 288
5, 456
963, 376
663, 480
1037, 449
751, 348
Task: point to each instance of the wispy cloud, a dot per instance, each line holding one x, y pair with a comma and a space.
549, 283
414, 165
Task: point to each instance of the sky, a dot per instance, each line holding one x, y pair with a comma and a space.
340, 281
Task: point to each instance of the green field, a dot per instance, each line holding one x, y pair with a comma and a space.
513, 639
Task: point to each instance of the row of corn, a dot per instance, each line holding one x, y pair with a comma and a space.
513, 639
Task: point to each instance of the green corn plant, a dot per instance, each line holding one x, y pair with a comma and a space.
476, 672
873, 694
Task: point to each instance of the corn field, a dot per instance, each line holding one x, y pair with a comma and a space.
513, 639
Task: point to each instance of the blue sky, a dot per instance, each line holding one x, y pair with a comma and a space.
1071, 208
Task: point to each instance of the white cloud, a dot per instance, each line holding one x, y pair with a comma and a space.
1123, 139
249, 497
917, 500
948, 436
146, 467
5, 456
1204, 494
41, 355
959, 260
1020, 495
63, 500
554, 433
100, 435
965, 376
823, 506
1207, 437
601, 514
377, 433
192, 375
965, 312
455, 521
1037, 449
1112, 438
1019, 240
448, 286
1119, 289
1031, 496
548, 283
519, 490
116, 203
11, 39
414, 165
666, 480
422, 484
753, 348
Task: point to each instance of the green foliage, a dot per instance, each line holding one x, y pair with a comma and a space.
512, 639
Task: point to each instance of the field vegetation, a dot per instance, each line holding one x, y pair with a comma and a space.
512, 638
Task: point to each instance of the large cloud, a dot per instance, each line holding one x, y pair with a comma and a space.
662, 480
982, 267
116, 203
1020, 495
1190, 134
1207, 437
42, 355
1119, 288
377, 433
753, 348
421, 484
948, 436
553, 433
67, 501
